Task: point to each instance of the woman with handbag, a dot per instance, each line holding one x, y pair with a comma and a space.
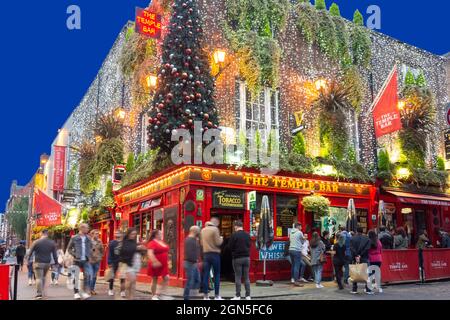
317, 258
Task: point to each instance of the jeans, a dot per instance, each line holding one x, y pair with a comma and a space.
241, 268
305, 263
317, 269
86, 275
296, 260
56, 271
94, 267
31, 274
346, 272
192, 278
40, 270
211, 259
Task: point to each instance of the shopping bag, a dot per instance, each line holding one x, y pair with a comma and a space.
109, 274
358, 272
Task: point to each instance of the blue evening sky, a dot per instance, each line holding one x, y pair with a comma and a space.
46, 69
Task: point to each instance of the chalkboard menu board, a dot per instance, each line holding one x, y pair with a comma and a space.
361, 215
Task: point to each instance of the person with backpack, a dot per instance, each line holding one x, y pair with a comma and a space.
359, 246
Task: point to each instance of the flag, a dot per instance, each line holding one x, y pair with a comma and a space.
386, 115
47, 210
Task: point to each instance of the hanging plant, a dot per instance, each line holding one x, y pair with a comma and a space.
307, 22
316, 204
88, 177
361, 42
418, 120
108, 127
110, 153
352, 79
326, 35
333, 103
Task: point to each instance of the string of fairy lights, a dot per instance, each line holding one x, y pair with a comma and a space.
301, 64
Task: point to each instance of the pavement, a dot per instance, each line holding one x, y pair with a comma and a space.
279, 291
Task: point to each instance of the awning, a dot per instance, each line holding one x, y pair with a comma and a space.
424, 199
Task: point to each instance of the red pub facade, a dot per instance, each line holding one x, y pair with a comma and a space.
180, 197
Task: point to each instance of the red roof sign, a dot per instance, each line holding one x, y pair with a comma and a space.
148, 23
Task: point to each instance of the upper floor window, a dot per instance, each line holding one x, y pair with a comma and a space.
256, 113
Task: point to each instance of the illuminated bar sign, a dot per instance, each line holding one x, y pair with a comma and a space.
148, 23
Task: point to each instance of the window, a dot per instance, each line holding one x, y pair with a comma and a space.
287, 213
258, 114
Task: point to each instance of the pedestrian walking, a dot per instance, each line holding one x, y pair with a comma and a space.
375, 258
29, 259
127, 273
296, 239
158, 253
95, 258
348, 254
306, 259
339, 258
56, 269
360, 245
211, 241
401, 239
43, 250
191, 257
326, 240
115, 247
317, 248
20, 254
80, 247
239, 245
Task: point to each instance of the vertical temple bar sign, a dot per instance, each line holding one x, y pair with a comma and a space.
148, 23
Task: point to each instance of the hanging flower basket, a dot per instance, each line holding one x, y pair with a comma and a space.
316, 204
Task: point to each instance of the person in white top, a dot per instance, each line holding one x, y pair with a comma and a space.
305, 258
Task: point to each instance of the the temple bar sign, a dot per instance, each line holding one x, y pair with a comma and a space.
148, 23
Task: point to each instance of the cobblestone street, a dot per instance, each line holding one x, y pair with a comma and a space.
280, 291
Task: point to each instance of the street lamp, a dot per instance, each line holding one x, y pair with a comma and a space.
401, 104
219, 58
120, 113
152, 81
321, 84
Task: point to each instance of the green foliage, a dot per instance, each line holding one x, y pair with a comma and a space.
421, 81
298, 144
108, 127
316, 204
108, 199
110, 153
130, 162
297, 163
352, 79
326, 36
320, 5
410, 80
358, 18
19, 216
343, 42
426, 177
84, 215
384, 163
88, 177
149, 163
361, 46
307, 22
440, 164
334, 10
72, 178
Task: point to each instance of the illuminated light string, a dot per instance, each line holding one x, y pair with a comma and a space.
300, 63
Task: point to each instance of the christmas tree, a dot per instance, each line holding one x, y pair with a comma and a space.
185, 86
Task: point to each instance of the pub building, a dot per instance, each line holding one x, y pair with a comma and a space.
182, 196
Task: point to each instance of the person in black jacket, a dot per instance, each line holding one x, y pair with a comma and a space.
359, 246
339, 259
20, 254
239, 245
386, 239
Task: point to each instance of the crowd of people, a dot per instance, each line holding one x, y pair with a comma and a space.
202, 258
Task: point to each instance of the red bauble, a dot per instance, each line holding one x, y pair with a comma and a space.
206, 116
184, 75
190, 121
198, 83
210, 124
159, 115
169, 96
189, 51
160, 106
198, 95
183, 126
186, 64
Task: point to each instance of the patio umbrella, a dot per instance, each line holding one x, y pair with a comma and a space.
352, 221
265, 233
381, 213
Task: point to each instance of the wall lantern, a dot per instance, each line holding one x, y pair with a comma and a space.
219, 56
152, 81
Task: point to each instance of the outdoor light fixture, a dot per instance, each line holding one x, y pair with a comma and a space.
219, 56
152, 81
120, 113
401, 105
98, 139
403, 173
320, 84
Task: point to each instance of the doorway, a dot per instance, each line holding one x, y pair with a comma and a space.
227, 219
